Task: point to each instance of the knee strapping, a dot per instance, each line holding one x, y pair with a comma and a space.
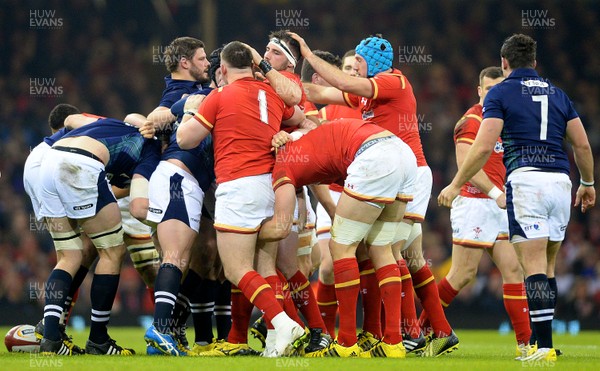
143, 254
313, 238
347, 231
402, 233
67, 240
107, 239
304, 243
382, 233
414, 233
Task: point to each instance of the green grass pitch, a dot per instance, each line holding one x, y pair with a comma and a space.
479, 350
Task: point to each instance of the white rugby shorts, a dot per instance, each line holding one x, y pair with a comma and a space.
416, 209
538, 205
323, 219
242, 204
73, 185
477, 222
384, 172
174, 194
31, 176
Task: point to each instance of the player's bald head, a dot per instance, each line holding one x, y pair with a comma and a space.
236, 55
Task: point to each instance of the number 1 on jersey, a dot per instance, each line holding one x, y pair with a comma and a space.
262, 106
543, 99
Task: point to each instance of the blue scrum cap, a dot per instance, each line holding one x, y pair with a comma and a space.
378, 54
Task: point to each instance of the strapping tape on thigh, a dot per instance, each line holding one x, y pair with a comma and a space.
402, 233
382, 233
67, 240
143, 254
347, 231
107, 239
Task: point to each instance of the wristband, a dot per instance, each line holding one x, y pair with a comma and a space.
586, 184
265, 67
296, 135
494, 193
191, 113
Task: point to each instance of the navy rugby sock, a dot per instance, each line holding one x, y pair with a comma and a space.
541, 310
55, 292
103, 292
202, 305
223, 309
166, 289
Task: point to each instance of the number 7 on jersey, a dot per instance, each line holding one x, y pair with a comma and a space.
543, 99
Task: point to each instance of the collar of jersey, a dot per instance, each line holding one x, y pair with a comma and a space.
169, 80
523, 72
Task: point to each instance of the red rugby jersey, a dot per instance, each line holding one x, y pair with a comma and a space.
465, 131
323, 154
243, 117
336, 111
393, 107
310, 109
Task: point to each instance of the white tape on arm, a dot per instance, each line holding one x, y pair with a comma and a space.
296, 135
494, 193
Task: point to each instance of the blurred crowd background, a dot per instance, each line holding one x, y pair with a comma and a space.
104, 56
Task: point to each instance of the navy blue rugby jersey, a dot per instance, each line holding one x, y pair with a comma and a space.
175, 89
130, 153
177, 108
56, 136
200, 160
535, 115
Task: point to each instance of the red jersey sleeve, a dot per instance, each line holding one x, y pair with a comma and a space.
280, 174
386, 85
352, 100
91, 115
207, 112
310, 109
296, 79
466, 129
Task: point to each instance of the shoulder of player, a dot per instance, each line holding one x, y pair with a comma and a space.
393, 75
472, 117
390, 80
105, 121
174, 83
475, 112
215, 94
177, 90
